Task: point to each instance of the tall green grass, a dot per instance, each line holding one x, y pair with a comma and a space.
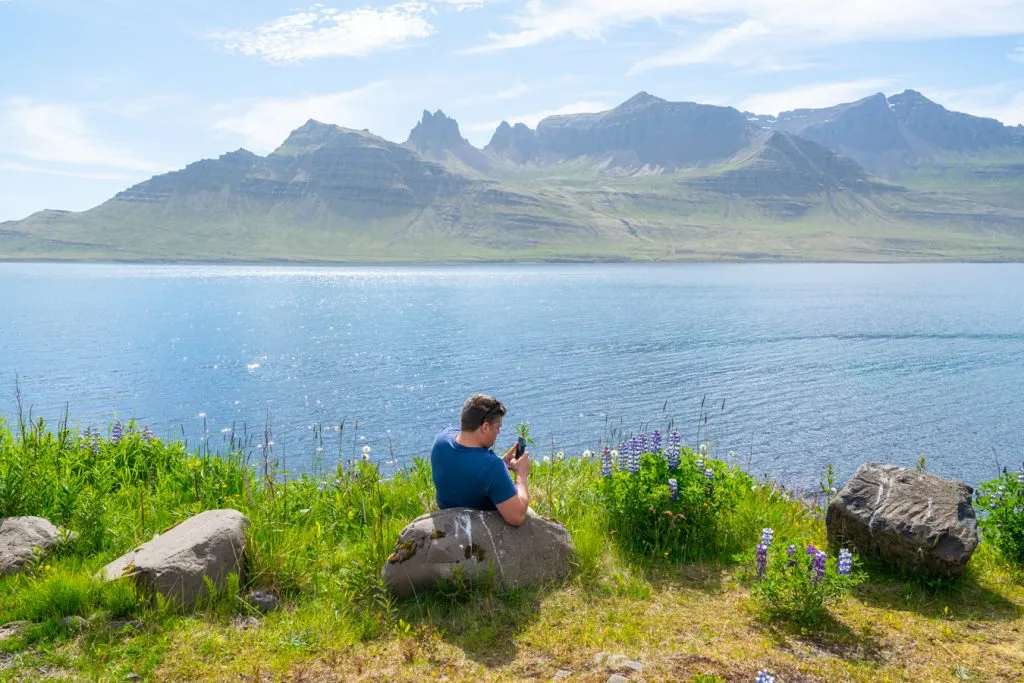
320, 537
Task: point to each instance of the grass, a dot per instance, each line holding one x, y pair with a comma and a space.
319, 542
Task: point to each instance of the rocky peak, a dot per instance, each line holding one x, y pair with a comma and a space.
518, 143
640, 100
436, 132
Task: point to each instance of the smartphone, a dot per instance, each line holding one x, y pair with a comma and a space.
520, 446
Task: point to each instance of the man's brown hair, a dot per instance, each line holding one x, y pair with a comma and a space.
479, 407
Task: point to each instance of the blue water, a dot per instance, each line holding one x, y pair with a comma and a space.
788, 366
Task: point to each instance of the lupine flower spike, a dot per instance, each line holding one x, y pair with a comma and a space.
606, 462
761, 556
845, 562
764, 677
656, 441
673, 486
117, 432
767, 535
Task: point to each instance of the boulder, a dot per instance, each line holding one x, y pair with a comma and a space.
906, 519
174, 564
21, 538
480, 543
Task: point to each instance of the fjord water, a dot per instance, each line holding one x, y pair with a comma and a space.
789, 366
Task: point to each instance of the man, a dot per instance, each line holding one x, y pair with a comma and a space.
467, 473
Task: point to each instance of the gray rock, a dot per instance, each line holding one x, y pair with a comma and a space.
263, 600
905, 519
633, 665
433, 547
13, 628
74, 623
615, 662
174, 564
21, 538
244, 623
617, 678
561, 675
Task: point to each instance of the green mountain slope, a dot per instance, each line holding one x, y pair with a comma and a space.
649, 179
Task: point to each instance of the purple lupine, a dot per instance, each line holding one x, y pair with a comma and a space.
672, 455
673, 439
634, 455
710, 474
762, 560
818, 565
656, 441
699, 463
606, 462
1020, 478
117, 432
764, 677
845, 562
767, 534
789, 553
811, 550
673, 486
147, 434
643, 443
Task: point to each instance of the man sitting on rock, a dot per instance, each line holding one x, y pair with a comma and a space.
467, 473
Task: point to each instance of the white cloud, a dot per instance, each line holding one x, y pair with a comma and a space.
462, 5
85, 175
1001, 101
536, 117
264, 124
743, 29
58, 133
813, 96
326, 32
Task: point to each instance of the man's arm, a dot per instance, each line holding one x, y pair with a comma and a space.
515, 508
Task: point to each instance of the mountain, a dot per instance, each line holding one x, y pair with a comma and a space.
643, 132
437, 138
897, 178
887, 135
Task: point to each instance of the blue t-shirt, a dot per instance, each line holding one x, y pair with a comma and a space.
468, 477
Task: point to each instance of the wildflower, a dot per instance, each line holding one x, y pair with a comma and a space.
1020, 478
700, 463
606, 462
767, 535
673, 486
117, 432
673, 439
672, 455
845, 562
547, 459
762, 560
656, 441
710, 474
366, 453
703, 449
818, 565
615, 456
560, 455
732, 454
587, 454
764, 677
789, 553
147, 434
643, 443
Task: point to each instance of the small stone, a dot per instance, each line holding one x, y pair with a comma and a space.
615, 662
264, 601
74, 623
617, 678
132, 676
633, 665
12, 629
599, 658
244, 623
561, 674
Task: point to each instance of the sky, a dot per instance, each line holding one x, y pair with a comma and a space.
97, 96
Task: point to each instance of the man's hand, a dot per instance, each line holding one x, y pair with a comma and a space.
521, 466
509, 456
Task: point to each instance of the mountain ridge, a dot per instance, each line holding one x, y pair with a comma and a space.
896, 177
